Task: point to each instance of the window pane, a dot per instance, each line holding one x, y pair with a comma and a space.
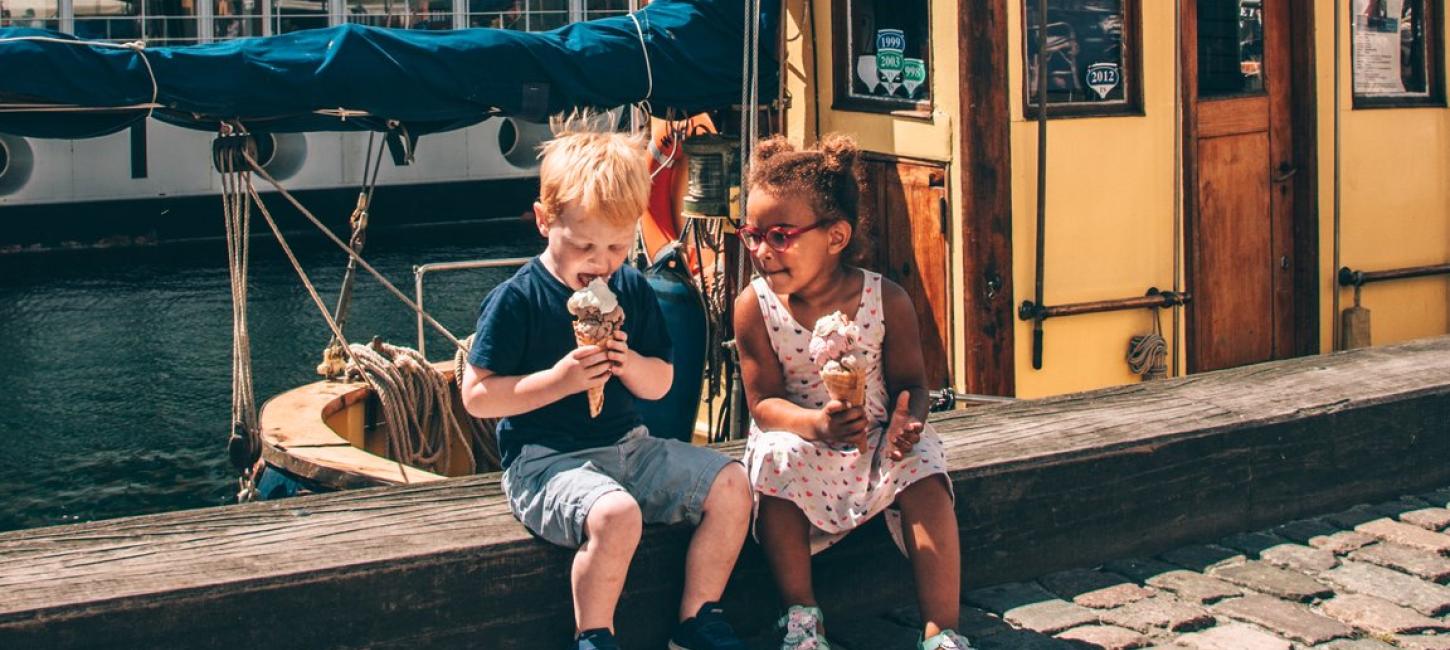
1390, 49
890, 45
39, 14
523, 15
171, 22
1084, 51
236, 18
116, 20
402, 14
602, 8
1230, 47
297, 15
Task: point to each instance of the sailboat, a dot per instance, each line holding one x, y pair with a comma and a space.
670, 58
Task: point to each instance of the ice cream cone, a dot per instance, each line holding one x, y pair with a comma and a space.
846, 385
596, 394
597, 315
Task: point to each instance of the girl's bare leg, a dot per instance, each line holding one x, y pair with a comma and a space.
785, 536
929, 523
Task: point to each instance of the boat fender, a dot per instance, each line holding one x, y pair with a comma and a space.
518, 141
16, 162
674, 415
282, 154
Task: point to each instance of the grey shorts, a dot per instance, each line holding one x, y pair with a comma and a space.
551, 492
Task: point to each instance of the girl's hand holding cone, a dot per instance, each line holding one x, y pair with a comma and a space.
841, 422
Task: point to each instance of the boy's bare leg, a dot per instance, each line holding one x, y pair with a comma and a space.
718, 538
929, 524
612, 532
785, 536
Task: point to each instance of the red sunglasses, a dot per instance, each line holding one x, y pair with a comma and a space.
777, 237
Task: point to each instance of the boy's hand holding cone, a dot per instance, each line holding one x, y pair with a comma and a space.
596, 317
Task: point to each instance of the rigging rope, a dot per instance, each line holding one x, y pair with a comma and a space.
333, 363
256, 168
244, 441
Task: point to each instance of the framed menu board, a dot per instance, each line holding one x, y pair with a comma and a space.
882, 55
1092, 62
1397, 53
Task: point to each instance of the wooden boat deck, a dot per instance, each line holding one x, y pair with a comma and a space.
1042, 486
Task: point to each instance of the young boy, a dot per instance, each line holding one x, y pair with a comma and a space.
585, 482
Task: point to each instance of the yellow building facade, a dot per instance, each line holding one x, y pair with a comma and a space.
1121, 190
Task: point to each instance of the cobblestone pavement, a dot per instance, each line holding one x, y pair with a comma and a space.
1371, 577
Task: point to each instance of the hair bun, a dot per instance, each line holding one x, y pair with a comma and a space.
772, 147
839, 152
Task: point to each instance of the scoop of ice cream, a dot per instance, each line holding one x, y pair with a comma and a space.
833, 338
595, 296
844, 364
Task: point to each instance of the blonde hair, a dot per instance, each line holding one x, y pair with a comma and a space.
606, 172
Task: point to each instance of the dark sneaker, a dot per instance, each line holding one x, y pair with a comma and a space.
706, 631
596, 639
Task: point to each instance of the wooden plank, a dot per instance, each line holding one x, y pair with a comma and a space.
1233, 116
1041, 486
985, 169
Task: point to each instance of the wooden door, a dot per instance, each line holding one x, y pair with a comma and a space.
1241, 177
903, 218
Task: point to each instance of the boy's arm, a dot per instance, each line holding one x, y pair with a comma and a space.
488, 395
645, 376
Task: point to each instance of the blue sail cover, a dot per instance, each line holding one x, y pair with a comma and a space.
426, 81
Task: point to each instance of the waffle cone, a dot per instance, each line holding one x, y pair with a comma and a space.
596, 394
846, 385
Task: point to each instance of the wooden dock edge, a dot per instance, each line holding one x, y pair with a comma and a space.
1041, 485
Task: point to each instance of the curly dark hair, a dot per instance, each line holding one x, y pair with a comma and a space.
829, 175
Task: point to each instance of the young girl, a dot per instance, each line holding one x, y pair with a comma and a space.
822, 467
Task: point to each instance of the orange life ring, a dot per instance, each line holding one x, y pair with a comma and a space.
662, 221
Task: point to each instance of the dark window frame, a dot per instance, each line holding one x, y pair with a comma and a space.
842, 59
1131, 105
1434, 76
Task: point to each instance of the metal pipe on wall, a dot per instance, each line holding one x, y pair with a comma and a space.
1178, 192
1037, 333
1334, 343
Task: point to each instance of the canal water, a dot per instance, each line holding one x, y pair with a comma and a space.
115, 366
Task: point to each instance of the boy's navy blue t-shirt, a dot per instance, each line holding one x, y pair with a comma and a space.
524, 326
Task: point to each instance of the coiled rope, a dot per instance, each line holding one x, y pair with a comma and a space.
1147, 352
417, 406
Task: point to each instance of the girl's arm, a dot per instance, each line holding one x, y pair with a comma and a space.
902, 363
765, 380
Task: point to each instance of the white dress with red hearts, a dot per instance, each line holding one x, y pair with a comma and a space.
836, 486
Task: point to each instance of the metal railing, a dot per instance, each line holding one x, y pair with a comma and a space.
1038, 313
420, 271
1351, 278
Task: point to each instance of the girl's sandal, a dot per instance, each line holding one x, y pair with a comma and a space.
802, 625
946, 640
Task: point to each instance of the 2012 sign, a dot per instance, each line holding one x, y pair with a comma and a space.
1103, 78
